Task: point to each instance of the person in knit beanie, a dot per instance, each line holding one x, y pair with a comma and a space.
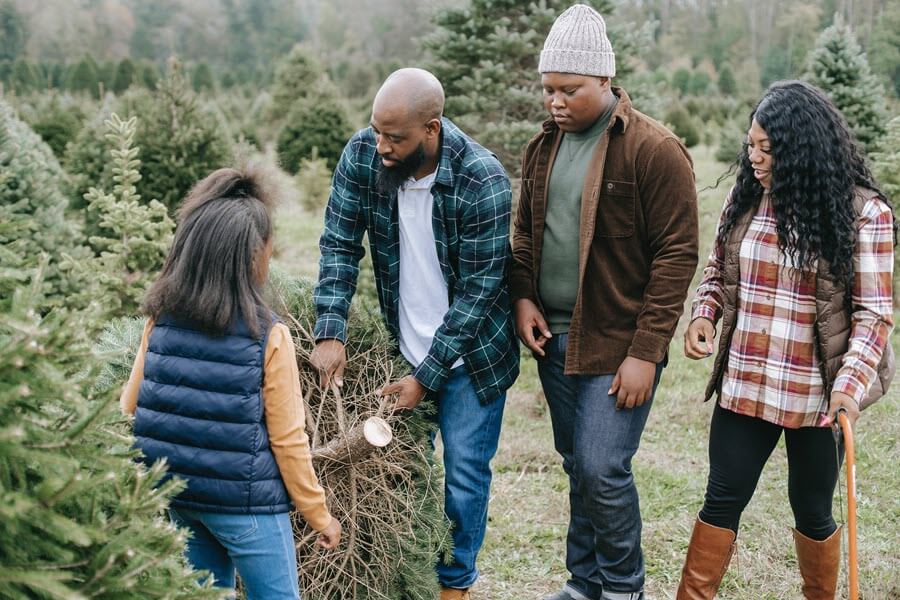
605, 247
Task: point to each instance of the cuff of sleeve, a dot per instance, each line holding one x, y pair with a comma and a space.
431, 374
331, 327
318, 517
850, 385
520, 287
704, 311
648, 346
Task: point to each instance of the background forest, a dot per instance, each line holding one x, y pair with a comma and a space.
111, 109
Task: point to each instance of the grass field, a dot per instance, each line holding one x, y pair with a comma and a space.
523, 555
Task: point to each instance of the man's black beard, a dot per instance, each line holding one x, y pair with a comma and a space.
389, 179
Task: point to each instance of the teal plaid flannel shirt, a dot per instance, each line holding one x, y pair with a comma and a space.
471, 218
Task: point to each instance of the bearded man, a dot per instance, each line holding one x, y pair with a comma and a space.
436, 208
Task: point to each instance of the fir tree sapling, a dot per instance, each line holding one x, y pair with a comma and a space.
79, 518
133, 237
838, 65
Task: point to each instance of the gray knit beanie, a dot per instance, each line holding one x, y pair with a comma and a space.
577, 43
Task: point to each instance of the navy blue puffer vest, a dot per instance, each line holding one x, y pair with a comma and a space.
200, 407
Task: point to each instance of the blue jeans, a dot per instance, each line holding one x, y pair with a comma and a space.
469, 433
597, 442
261, 546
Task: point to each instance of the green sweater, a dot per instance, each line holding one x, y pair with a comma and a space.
558, 283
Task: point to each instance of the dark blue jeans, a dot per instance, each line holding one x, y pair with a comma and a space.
469, 432
597, 442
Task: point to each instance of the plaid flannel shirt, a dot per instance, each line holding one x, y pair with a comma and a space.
471, 220
773, 370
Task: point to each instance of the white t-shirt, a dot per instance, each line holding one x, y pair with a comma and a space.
424, 299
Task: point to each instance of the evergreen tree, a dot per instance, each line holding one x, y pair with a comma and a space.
83, 77
148, 40
13, 31
5, 72
295, 78
699, 83
486, 55
838, 66
314, 185
683, 125
727, 83
126, 73
886, 162
731, 138
106, 74
80, 519
884, 46
23, 77
56, 121
149, 75
309, 132
681, 79
134, 237
57, 76
87, 161
31, 195
180, 141
202, 78
776, 65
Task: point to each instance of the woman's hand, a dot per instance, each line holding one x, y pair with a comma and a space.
841, 400
698, 339
330, 537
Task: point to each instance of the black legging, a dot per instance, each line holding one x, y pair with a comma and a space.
739, 447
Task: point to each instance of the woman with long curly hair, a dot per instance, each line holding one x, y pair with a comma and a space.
799, 280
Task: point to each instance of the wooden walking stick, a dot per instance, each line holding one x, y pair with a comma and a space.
853, 565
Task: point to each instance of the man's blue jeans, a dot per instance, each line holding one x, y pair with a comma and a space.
261, 546
597, 442
469, 431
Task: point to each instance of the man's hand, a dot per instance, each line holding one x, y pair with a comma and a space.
330, 537
329, 358
698, 339
633, 383
408, 390
842, 400
528, 320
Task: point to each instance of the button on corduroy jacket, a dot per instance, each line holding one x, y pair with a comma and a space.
638, 239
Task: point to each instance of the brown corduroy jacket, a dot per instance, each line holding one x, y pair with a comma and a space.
638, 248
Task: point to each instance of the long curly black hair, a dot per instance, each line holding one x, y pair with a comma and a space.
816, 162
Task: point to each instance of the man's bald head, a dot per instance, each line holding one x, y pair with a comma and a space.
415, 94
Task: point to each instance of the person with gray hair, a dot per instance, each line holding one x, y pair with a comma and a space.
605, 246
436, 207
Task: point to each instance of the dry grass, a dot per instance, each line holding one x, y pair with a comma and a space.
523, 556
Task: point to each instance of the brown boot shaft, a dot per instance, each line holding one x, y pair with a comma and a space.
707, 560
819, 563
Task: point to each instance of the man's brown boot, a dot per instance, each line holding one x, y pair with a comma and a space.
707, 560
819, 564
454, 594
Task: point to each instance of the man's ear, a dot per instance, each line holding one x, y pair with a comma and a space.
433, 127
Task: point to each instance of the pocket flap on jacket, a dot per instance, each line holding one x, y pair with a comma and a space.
617, 188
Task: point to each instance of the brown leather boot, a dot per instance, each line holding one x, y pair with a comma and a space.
454, 594
819, 564
707, 560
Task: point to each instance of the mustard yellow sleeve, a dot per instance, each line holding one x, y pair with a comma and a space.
283, 405
129, 398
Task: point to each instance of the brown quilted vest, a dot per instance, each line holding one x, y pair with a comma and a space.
832, 328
